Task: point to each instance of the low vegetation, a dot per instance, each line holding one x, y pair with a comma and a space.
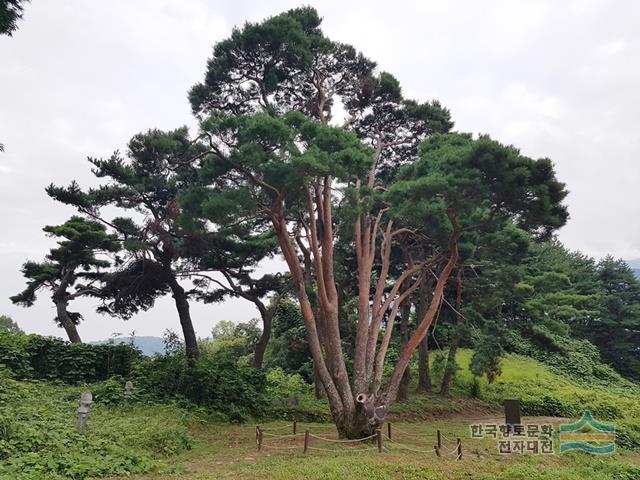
174, 436
38, 437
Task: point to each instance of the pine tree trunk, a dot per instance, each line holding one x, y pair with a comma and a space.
431, 311
66, 322
451, 366
317, 384
182, 305
368, 415
424, 372
424, 369
263, 342
403, 390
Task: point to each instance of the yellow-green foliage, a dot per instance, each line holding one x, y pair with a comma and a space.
545, 392
532, 382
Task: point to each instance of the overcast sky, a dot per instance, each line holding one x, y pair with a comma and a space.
79, 78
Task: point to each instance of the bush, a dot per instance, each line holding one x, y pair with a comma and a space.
547, 406
579, 359
48, 358
111, 392
281, 385
216, 381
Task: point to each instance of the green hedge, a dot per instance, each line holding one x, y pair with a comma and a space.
217, 381
48, 358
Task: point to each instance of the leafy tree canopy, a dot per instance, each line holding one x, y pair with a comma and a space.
8, 325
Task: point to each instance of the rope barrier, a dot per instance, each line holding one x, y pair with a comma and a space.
319, 426
274, 429
260, 433
412, 434
445, 437
342, 450
289, 435
341, 441
454, 451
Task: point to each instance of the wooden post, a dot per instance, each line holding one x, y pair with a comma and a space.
306, 440
389, 430
379, 436
257, 432
259, 439
295, 426
459, 450
435, 447
438, 440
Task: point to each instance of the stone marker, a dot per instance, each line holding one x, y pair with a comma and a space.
512, 412
128, 389
86, 399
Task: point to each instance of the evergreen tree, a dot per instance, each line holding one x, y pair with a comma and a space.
254, 83
226, 255
289, 348
268, 119
617, 331
71, 270
145, 184
10, 12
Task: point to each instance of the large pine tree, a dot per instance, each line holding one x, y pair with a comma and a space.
270, 122
71, 270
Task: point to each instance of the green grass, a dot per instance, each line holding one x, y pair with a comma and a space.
230, 452
152, 442
545, 392
38, 439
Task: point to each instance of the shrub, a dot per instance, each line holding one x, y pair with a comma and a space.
48, 358
216, 381
281, 385
111, 392
579, 359
547, 406
606, 411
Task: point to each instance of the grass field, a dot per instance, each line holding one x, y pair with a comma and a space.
230, 452
152, 442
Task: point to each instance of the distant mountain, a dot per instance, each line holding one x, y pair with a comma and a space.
148, 345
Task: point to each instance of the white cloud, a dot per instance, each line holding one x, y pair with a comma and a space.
612, 48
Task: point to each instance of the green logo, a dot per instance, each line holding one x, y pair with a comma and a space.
588, 435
